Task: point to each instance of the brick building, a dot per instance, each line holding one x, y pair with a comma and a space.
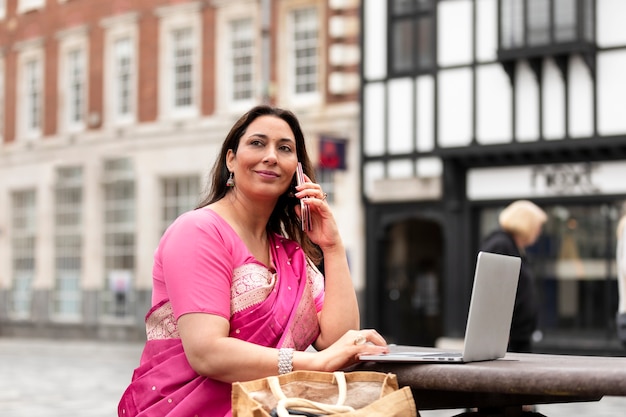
112, 113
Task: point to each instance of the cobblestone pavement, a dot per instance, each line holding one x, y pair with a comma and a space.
53, 378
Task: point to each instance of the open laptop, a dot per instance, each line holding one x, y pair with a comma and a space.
488, 320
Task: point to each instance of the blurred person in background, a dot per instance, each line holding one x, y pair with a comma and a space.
520, 224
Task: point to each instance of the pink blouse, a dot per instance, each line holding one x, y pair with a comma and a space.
203, 266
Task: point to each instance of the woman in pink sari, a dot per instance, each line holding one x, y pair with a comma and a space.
236, 294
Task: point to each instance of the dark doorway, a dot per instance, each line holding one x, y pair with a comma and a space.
410, 282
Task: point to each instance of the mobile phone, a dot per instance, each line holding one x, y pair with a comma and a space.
305, 216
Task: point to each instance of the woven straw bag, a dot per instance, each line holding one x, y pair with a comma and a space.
313, 393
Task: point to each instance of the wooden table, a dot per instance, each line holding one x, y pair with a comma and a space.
503, 386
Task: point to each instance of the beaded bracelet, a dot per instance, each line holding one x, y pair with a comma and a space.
285, 360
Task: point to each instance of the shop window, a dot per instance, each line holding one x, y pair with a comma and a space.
573, 265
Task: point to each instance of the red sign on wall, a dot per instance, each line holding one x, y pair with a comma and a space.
332, 153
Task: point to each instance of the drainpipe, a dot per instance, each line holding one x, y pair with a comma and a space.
266, 20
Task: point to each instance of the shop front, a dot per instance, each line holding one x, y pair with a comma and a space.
573, 261
421, 255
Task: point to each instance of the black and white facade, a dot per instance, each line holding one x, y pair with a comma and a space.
468, 105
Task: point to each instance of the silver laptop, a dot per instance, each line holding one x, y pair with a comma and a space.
488, 320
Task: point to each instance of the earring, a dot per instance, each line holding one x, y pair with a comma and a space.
230, 182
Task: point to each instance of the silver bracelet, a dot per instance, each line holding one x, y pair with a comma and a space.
285, 360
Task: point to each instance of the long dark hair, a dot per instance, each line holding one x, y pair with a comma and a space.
283, 219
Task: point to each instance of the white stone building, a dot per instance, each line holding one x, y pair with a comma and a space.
111, 116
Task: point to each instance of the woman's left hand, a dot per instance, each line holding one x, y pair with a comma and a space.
347, 349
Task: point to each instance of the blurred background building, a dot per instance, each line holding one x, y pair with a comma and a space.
111, 117
468, 105
424, 118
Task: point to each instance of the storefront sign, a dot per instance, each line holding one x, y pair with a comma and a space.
564, 179
548, 180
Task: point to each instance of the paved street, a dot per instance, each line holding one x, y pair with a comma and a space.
44, 378
607, 406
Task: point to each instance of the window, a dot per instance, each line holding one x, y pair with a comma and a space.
512, 21
180, 52
182, 67
24, 220
412, 36
68, 222
32, 97
241, 80
122, 79
565, 20
545, 23
24, 6
3, 9
73, 79
304, 51
121, 69
2, 98
75, 89
538, 22
119, 237
242, 60
326, 179
179, 195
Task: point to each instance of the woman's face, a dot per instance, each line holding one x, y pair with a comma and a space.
266, 158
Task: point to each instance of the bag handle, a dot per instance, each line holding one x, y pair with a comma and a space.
304, 404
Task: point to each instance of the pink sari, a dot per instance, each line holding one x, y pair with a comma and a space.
164, 384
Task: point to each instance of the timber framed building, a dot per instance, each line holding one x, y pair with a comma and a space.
468, 105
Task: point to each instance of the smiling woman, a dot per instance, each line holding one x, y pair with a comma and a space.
236, 291
264, 163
